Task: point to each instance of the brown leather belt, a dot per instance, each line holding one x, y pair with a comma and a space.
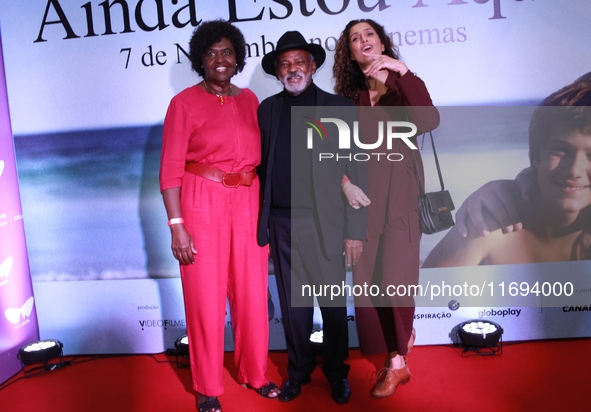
228, 179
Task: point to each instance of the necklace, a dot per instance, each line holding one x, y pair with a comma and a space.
219, 96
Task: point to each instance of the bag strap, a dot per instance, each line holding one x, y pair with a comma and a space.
436, 164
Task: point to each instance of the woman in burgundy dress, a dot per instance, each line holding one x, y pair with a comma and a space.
367, 70
211, 145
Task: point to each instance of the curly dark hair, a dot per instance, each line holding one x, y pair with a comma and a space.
210, 32
349, 79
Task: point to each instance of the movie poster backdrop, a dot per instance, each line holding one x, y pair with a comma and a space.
89, 83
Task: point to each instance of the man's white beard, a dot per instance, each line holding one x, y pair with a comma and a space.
299, 87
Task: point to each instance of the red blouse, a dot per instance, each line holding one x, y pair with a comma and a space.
197, 128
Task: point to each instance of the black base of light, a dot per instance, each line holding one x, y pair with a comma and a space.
30, 358
471, 344
476, 339
495, 350
181, 351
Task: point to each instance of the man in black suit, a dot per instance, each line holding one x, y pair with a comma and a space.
304, 216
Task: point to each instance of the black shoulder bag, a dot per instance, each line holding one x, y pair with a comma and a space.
434, 207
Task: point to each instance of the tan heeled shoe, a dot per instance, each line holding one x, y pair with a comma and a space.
388, 381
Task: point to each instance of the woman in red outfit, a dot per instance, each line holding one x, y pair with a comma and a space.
210, 148
367, 70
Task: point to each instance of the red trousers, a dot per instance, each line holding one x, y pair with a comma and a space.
229, 264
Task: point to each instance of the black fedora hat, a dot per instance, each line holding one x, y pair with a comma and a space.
292, 40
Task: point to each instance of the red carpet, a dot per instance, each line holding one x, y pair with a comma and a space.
530, 376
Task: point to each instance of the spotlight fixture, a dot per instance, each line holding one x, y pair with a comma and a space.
316, 339
182, 345
480, 336
182, 349
42, 351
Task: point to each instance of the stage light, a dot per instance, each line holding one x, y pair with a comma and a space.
316, 339
182, 345
181, 349
481, 336
42, 351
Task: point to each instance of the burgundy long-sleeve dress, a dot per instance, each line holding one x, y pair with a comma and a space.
391, 253
223, 224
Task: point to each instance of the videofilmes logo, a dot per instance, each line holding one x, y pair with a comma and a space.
163, 323
387, 131
14, 315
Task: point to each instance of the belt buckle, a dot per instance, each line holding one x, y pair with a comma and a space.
231, 179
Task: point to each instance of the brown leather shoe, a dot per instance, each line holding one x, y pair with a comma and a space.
388, 381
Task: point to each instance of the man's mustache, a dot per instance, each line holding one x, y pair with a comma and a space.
290, 76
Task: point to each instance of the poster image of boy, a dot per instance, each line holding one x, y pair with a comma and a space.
557, 227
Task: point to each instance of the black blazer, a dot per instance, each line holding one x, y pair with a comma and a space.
337, 220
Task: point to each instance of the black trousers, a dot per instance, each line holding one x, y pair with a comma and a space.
298, 261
